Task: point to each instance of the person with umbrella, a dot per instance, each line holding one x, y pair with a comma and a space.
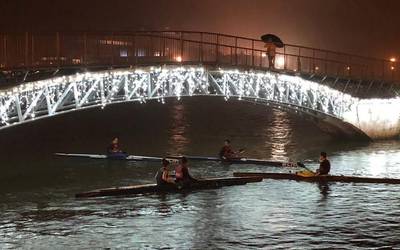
271, 43
271, 52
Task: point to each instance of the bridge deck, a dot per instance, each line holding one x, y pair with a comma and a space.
32, 56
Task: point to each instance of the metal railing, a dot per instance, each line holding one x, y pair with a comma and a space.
32, 51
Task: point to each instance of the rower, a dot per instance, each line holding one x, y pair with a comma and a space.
226, 151
182, 175
114, 147
324, 165
162, 176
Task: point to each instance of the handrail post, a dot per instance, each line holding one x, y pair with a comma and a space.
383, 69
5, 49
181, 52
112, 49
201, 47
284, 57
350, 66
313, 61
252, 52
136, 52
84, 49
326, 63
217, 49
26, 49
58, 48
299, 61
236, 52
33, 50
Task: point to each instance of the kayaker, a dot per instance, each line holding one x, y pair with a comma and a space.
324, 165
114, 147
162, 176
182, 175
226, 151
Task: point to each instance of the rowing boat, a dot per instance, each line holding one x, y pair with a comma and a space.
126, 157
211, 183
117, 156
321, 178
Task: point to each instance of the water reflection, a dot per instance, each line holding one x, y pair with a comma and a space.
278, 132
324, 189
178, 141
38, 207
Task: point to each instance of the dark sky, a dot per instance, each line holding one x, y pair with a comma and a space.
366, 27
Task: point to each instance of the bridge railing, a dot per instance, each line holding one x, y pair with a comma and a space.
30, 51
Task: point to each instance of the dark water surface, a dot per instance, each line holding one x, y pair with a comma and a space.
39, 211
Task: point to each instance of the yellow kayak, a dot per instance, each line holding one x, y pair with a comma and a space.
305, 173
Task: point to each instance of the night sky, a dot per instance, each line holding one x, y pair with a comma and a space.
366, 27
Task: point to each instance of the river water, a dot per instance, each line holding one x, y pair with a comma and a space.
39, 211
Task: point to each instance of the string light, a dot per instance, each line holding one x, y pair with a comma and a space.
57, 95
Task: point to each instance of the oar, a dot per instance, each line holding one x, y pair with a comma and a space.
300, 164
242, 150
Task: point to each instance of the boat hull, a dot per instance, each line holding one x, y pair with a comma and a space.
324, 178
125, 157
212, 183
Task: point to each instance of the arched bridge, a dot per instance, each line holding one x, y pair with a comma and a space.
45, 98
60, 73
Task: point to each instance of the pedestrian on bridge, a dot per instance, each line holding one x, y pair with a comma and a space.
271, 51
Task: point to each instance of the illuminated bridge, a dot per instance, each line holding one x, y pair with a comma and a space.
48, 74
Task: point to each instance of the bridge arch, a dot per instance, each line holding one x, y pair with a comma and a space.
45, 98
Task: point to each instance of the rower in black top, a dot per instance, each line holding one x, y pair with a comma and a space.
324, 165
226, 151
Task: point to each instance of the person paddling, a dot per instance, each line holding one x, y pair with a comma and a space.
162, 176
226, 151
182, 175
324, 165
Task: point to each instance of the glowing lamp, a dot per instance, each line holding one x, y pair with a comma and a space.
178, 59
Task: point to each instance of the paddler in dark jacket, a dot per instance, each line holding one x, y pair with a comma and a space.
182, 175
162, 176
114, 147
324, 165
226, 151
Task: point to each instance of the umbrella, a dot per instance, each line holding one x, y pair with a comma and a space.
270, 38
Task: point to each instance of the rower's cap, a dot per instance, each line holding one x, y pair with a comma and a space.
323, 154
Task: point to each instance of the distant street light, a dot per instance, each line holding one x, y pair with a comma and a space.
178, 59
393, 59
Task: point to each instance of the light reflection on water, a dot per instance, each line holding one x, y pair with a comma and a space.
279, 132
38, 209
178, 141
